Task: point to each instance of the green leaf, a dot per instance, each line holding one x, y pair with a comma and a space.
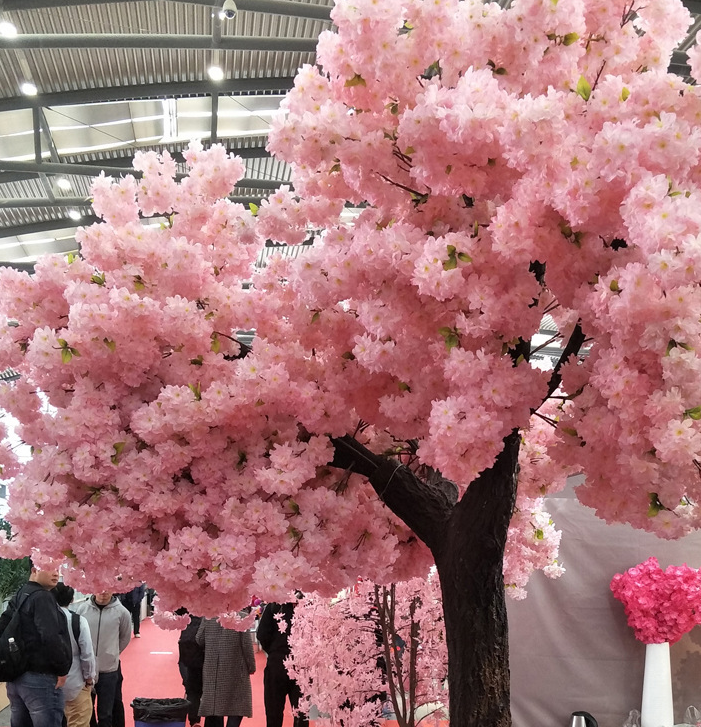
464, 257
418, 199
409, 151
625, 93
71, 258
316, 316
335, 168
452, 341
451, 249
253, 207
98, 278
216, 343
403, 386
449, 169
583, 88
348, 355
394, 109
500, 71
694, 413
451, 263
138, 283
613, 285
569, 430
432, 71
570, 38
539, 534
195, 389
197, 361
445, 331
357, 80
118, 449
110, 344
655, 505
66, 355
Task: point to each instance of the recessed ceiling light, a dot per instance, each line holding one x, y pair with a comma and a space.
7, 29
74, 215
63, 183
28, 89
215, 73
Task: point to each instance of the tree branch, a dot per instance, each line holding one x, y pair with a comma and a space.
572, 348
425, 507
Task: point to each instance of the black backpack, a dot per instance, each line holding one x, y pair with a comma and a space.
13, 656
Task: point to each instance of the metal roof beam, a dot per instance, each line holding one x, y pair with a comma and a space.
274, 7
147, 40
232, 86
28, 202
247, 152
87, 170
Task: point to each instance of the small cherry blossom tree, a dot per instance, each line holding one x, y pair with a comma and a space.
371, 646
510, 164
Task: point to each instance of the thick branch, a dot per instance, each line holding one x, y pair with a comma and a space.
571, 349
425, 507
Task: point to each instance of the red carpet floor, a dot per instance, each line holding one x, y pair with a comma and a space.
150, 667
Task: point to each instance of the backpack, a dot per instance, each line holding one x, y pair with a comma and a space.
75, 625
13, 656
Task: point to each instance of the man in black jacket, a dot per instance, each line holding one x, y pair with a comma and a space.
36, 697
277, 684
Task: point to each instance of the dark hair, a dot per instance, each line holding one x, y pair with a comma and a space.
63, 594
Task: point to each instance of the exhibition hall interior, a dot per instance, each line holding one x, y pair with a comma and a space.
472, 161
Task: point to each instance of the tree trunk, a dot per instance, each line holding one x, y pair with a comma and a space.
470, 565
467, 540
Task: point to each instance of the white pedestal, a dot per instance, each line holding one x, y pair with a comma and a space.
658, 708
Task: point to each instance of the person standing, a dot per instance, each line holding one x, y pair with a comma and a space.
190, 662
131, 600
229, 662
81, 677
110, 629
36, 697
277, 684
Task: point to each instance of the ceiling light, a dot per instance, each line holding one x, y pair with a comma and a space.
63, 183
215, 73
28, 89
7, 29
74, 215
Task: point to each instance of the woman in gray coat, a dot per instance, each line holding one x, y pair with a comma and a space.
229, 662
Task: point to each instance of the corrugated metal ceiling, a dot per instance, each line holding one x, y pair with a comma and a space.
109, 133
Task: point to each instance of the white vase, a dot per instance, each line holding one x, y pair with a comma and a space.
657, 709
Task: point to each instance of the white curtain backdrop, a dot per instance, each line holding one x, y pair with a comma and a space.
571, 647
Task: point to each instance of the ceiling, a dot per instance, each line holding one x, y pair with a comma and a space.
113, 77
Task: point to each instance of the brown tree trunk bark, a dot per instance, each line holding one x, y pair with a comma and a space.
467, 539
470, 565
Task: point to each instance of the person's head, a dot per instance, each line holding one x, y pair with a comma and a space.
102, 599
45, 578
64, 594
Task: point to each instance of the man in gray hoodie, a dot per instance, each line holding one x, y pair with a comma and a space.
110, 629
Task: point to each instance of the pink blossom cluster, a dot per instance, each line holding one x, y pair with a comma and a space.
337, 652
661, 605
511, 164
485, 139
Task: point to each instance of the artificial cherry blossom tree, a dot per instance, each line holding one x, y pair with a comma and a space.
372, 646
511, 164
